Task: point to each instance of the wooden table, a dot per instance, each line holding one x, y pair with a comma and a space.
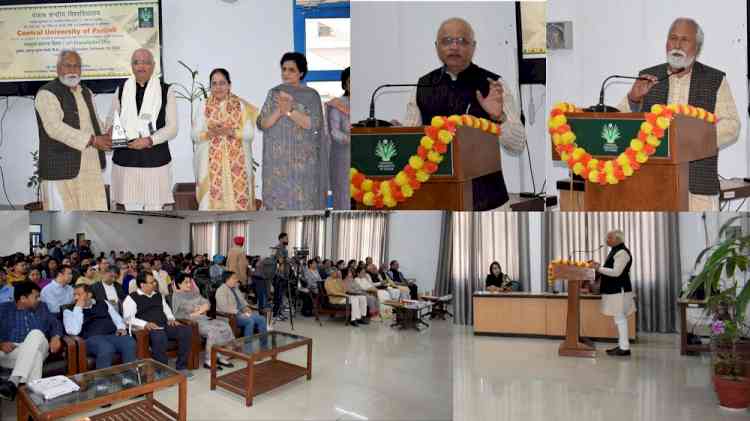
685, 347
255, 379
409, 316
111, 385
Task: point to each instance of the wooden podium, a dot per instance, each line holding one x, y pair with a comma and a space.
661, 184
574, 345
472, 154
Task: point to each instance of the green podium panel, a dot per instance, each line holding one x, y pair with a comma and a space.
611, 136
384, 155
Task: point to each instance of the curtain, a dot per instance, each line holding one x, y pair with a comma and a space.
443, 284
313, 234
230, 229
478, 239
202, 238
292, 226
357, 235
654, 241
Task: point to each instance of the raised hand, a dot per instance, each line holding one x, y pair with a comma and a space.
641, 87
493, 102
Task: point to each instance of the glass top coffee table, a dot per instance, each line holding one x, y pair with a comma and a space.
410, 315
111, 385
255, 379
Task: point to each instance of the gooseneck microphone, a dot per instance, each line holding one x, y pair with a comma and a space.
600, 107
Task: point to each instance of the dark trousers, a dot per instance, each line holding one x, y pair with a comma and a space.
279, 290
261, 293
104, 348
159, 338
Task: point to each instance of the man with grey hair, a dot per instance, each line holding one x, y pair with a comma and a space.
694, 83
142, 172
459, 86
71, 142
617, 290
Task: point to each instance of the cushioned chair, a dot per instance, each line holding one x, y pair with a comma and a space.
85, 362
322, 305
143, 349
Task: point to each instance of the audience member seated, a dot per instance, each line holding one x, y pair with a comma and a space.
102, 266
310, 279
394, 291
28, 333
59, 293
375, 297
336, 289
101, 327
35, 276
324, 270
108, 289
146, 309
187, 303
399, 279
497, 281
20, 271
89, 275
217, 269
229, 300
6, 290
162, 278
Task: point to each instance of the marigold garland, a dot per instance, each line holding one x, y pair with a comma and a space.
552, 264
433, 145
641, 148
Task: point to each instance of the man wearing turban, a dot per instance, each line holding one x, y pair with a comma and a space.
237, 260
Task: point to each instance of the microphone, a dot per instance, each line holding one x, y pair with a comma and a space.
575, 252
600, 107
372, 121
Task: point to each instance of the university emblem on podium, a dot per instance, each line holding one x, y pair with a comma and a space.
610, 134
386, 150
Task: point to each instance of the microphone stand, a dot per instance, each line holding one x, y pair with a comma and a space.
600, 107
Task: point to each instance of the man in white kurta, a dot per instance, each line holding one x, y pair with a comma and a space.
684, 43
85, 190
617, 290
142, 173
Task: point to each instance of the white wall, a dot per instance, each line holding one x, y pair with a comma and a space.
394, 43
117, 231
15, 228
251, 37
623, 37
414, 240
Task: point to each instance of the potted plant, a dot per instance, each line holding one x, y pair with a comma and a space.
35, 183
722, 277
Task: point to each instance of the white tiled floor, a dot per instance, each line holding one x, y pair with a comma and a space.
377, 373
366, 373
504, 379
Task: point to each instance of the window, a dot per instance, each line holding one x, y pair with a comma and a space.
322, 32
35, 236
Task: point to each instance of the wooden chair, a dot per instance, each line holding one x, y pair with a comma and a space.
322, 305
143, 348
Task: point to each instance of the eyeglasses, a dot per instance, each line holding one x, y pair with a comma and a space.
143, 62
460, 41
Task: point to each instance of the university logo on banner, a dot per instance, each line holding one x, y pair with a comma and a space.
145, 17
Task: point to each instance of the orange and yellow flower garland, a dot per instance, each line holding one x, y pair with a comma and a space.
433, 145
644, 145
552, 264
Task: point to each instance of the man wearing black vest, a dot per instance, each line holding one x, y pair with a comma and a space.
71, 142
146, 308
142, 172
617, 290
99, 324
461, 87
696, 84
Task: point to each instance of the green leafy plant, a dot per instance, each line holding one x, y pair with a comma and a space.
34, 181
196, 91
725, 265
